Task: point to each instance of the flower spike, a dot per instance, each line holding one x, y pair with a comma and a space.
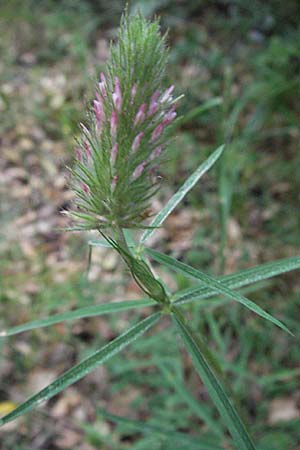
127, 132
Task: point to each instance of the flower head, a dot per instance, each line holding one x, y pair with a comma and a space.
127, 131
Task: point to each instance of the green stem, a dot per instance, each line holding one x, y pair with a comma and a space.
142, 272
223, 175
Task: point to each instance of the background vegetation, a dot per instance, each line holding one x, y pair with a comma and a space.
246, 211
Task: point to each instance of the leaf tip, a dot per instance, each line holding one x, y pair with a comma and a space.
289, 332
286, 329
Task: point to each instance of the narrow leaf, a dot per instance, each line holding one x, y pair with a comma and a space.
195, 406
83, 368
89, 311
196, 112
240, 279
215, 389
202, 443
212, 283
180, 194
99, 243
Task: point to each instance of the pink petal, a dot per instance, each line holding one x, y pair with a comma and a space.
140, 115
114, 182
152, 108
102, 84
98, 109
113, 123
155, 96
85, 187
117, 96
157, 132
167, 95
133, 92
156, 152
137, 141
170, 116
84, 128
78, 154
114, 153
87, 149
139, 170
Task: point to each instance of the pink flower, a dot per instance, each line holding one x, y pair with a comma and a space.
169, 117
78, 154
102, 89
117, 96
98, 109
139, 170
133, 92
152, 108
87, 149
137, 141
102, 84
113, 123
114, 153
85, 188
155, 96
84, 128
114, 182
156, 153
153, 103
167, 94
140, 115
157, 132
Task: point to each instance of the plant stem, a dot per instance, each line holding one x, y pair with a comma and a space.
142, 272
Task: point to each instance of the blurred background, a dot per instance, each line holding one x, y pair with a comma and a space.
244, 212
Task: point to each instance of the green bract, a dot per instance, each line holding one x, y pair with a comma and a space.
126, 134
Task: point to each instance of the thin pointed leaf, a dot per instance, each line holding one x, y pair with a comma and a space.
240, 279
83, 368
194, 405
89, 311
128, 236
215, 389
214, 284
99, 243
180, 194
196, 112
185, 440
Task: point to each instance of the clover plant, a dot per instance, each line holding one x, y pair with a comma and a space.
123, 144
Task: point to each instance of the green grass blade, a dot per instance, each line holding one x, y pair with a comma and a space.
226, 409
105, 244
194, 405
99, 243
179, 195
83, 368
212, 283
88, 311
185, 439
240, 279
196, 112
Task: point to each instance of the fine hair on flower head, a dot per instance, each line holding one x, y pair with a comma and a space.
126, 133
